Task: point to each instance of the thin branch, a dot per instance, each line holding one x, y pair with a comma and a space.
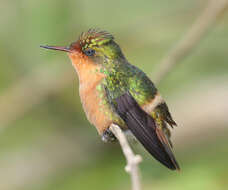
192, 38
31, 164
132, 159
185, 46
32, 90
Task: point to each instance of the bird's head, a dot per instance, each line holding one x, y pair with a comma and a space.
93, 45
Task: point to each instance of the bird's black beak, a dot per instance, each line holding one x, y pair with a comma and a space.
59, 48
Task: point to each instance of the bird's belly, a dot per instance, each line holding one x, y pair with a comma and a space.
97, 109
93, 98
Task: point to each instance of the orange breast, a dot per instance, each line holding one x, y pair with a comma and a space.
89, 78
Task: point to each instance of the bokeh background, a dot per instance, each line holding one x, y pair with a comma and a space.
46, 142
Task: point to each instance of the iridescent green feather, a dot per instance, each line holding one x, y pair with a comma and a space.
121, 76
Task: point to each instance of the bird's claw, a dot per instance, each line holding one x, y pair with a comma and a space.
108, 136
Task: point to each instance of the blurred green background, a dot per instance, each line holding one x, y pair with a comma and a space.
46, 142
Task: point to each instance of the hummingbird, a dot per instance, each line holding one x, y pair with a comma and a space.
114, 91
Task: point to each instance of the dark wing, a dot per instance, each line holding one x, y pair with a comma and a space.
143, 126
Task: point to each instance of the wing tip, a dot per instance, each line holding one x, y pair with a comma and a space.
173, 166
144, 128
177, 167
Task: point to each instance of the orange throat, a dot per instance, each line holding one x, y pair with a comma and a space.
86, 69
89, 78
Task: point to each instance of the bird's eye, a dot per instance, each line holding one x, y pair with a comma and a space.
89, 52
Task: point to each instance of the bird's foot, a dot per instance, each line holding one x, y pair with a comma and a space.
108, 136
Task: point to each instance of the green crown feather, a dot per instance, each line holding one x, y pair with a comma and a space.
94, 37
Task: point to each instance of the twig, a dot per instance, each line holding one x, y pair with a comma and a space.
185, 46
132, 159
33, 163
27, 94
192, 38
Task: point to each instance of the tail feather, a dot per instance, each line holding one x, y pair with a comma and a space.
144, 129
